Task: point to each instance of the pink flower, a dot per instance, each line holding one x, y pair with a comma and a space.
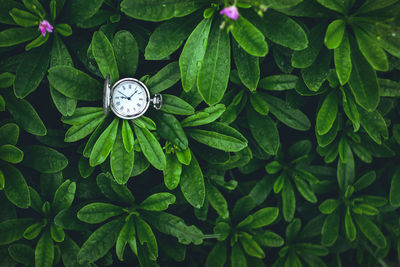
45, 26
231, 12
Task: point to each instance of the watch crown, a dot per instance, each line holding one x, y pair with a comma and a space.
157, 101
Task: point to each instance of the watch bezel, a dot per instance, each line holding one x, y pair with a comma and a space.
136, 115
106, 95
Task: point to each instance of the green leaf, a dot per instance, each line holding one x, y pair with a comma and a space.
9, 134
168, 37
151, 148
293, 118
172, 225
350, 228
103, 53
165, 78
279, 82
342, 58
80, 131
374, 124
238, 258
127, 136
249, 37
146, 235
65, 105
16, 188
70, 81
213, 75
175, 105
283, 30
6, 79
157, 202
312, 249
64, 196
57, 233
100, 241
327, 113
44, 159
328, 206
363, 82
219, 136
25, 115
156, 10
247, 66
263, 217
13, 229
113, 191
170, 129
242, 207
364, 181
315, 75
98, 212
172, 171
330, 229
11, 154
127, 234
126, 52
335, 5
288, 201
208, 115
14, 36
305, 190
264, 131
334, 34
192, 183
345, 171
217, 256
259, 104
35, 6
193, 53
44, 251
269, 239
217, 200
22, 253
371, 231
251, 247
121, 161
306, 57
104, 144
78, 11
371, 50
31, 71
394, 196
369, 5
24, 18
33, 230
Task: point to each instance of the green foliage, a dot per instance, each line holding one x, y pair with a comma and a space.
276, 144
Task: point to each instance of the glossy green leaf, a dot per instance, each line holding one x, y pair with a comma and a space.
157, 202
305, 190
103, 53
77, 11
283, 30
279, 82
22, 253
217, 200
11, 154
374, 124
208, 115
175, 105
259, 104
327, 113
98, 212
249, 37
334, 34
168, 37
247, 66
155, 10
57, 233
121, 161
217, 59
127, 234
192, 183
342, 58
306, 57
170, 129
269, 239
345, 171
100, 241
64, 196
146, 235
127, 136
250, 246
6, 79
44, 251
44, 159
31, 71
126, 53
238, 258
164, 78
335, 5
14, 36
371, 231
329, 206
69, 81
350, 228
104, 144
288, 201
315, 75
172, 171
151, 148
16, 188
217, 256
80, 131
193, 53
394, 197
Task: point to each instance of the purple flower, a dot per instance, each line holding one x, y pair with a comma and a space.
231, 12
45, 26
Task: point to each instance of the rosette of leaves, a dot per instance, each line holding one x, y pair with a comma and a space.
352, 210
207, 49
43, 228
12, 180
131, 224
293, 168
243, 235
298, 249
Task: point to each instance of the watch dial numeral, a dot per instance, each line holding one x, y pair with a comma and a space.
127, 110
140, 99
123, 87
139, 93
122, 107
118, 103
130, 86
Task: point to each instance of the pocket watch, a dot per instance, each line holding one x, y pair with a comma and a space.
128, 98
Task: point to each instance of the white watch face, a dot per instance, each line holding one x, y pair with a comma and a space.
129, 99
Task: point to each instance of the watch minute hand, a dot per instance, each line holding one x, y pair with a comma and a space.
122, 94
133, 94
